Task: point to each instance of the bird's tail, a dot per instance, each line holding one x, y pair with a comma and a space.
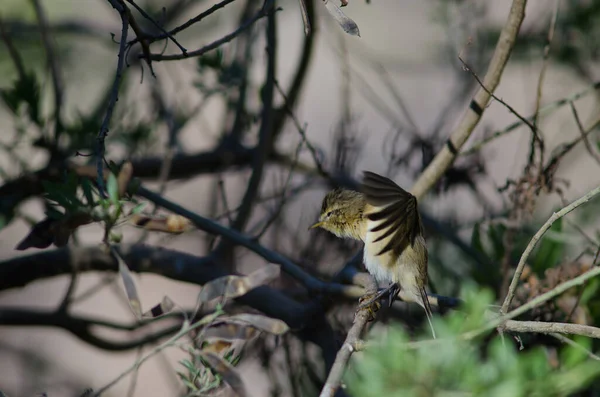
427, 308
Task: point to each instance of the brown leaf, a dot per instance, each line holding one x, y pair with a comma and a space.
223, 368
164, 307
260, 322
228, 332
172, 224
263, 275
124, 177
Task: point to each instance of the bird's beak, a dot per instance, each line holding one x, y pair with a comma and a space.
318, 224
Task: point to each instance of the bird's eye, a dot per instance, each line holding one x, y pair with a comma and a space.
329, 214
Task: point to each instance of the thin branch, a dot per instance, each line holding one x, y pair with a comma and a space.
157, 25
538, 97
186, 25
471, 118
555, 216
361, 318
541, 327
54, 68
546, 109
538, 300
12, 51
583, 133
263, 12
534, 129
113, 97
576, 345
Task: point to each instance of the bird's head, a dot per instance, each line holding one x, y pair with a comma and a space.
342, 213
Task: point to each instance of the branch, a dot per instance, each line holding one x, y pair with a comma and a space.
80, 327
555, 216
114, 94
471, 118
264, 11
307, 321
361, 318
54, 69
550, 328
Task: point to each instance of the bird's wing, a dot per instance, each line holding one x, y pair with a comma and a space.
395, 210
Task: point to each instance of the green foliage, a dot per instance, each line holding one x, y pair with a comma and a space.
451, 366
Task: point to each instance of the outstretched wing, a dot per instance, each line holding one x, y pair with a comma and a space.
395, 212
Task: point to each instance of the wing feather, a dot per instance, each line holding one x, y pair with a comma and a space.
397, 211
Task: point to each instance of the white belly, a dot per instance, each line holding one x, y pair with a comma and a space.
381, 274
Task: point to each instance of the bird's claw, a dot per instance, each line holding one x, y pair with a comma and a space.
370, 303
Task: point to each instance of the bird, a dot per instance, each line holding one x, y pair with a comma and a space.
386, 219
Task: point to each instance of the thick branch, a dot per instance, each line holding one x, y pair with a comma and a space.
307, 321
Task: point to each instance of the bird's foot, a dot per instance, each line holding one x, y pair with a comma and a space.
370, 303
370, 299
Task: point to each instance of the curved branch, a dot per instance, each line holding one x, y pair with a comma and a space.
80, 327
306, 320
471, 118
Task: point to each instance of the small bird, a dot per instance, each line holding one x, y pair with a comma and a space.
386, 218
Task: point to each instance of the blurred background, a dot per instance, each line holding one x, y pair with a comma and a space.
385, 101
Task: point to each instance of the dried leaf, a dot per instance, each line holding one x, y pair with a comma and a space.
225, 287
263, 275
125, 175
260, 322
227, 372
228, 332
172, 224
164, 307
344, 21
229, 287
129, 284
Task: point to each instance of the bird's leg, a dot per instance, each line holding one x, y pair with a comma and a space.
394, 289
369, 300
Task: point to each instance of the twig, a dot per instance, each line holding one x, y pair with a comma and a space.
583, 133
471, 118
12, 51
148, 17
541, 327
184, 331
538, 300
576, 345
538, 97
186, 25
54, 68
302, 131
555, 216
263, 12
266, 132
546, 109
361, 318
534, 129
113, 97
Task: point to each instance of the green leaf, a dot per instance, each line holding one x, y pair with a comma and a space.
550, 249
113, 189
138, 208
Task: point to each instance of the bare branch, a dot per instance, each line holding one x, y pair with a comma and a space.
555, 216
471, 118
